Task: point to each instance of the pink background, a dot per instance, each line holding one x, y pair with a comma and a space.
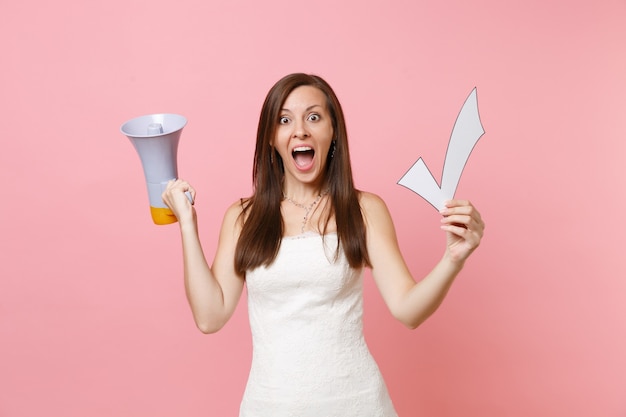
93, 318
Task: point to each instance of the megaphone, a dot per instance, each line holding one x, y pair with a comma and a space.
155, 138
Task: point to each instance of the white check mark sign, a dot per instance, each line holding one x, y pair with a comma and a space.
466, 132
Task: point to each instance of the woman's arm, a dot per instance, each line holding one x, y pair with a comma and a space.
409, 301
212, 292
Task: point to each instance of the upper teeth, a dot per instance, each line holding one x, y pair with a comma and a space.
302, 149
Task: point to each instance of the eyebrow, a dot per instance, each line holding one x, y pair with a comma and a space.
307, 109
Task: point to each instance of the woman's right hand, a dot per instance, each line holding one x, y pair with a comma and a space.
175, 198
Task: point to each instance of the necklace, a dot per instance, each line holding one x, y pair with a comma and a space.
307, 209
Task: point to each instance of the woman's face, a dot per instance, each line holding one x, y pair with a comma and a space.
304, 135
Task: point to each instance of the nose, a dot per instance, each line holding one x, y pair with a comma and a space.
300, 130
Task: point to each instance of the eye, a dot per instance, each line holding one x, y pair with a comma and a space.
283, 120
314, 117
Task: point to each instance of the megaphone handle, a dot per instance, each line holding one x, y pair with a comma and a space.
189, 197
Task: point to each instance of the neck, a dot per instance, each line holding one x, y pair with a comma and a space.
310, 199
302, 193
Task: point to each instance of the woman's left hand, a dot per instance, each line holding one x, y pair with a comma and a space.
464, 228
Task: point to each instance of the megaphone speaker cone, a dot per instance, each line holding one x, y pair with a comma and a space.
155, 138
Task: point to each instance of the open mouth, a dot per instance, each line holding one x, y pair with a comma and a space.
303, 156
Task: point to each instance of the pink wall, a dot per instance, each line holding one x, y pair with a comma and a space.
93, 319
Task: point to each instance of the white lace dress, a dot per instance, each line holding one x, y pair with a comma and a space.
309, 355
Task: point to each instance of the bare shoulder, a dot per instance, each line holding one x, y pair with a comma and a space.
235, 215
372, 206
382, 242
376, 215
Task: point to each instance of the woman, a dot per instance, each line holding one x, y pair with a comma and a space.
300, 244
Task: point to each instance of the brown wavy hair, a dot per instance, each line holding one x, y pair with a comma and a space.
263, 228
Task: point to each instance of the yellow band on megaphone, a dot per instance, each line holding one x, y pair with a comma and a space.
162, 215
